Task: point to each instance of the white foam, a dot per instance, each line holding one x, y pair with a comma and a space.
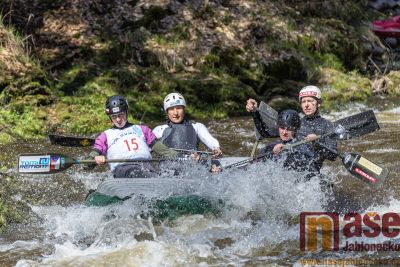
395, 110
382, 150
19, 245
262, 207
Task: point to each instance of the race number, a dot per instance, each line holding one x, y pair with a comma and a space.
132, 145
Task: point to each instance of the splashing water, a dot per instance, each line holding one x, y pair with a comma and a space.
258, 224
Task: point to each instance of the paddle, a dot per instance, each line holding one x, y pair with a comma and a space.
244, 162
346, 128
265, 116
358, 166
192, 151
361, 167
358, 124
74, 141
77, 141
54, 162
268, 114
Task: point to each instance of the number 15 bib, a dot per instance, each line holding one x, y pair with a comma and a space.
128, 143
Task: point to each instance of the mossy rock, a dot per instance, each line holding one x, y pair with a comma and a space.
393, 84
32, 92
341, 87
11, 210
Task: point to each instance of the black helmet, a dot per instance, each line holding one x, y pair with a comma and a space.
116, 104
288, 119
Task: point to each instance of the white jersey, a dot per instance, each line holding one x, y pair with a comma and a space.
128, 143
201, 130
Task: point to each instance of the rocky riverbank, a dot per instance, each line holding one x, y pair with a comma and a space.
60, 60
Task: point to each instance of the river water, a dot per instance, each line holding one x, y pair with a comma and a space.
258, 227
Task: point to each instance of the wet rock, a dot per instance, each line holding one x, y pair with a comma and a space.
144, 236
383, 4
224, 242
168, 23
12, 210
374, 49
391, 42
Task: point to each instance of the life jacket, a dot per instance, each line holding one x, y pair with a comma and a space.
319, 126
181, 136
126, 143
301, 158
313, 125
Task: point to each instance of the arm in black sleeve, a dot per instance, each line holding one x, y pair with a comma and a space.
262, 128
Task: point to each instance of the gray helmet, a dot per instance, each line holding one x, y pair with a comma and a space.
116, 104
288, 119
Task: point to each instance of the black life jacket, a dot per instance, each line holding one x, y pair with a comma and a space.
181, 136
301, 158
319, 126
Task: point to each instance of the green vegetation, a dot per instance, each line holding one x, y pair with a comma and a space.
290, 45
215, 54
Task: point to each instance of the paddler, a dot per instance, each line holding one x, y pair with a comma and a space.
301, 158
127, 141
311, 125
179, 132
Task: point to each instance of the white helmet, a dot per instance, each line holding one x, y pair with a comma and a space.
311, 91
174, 99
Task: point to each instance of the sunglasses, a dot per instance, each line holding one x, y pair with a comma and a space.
120, 115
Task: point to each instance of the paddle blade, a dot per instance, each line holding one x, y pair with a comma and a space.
43, 163
364, 169
359, 124
269, 116
74, 141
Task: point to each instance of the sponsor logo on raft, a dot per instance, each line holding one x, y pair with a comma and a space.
320, 230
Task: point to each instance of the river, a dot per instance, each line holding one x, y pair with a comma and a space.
259, 227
